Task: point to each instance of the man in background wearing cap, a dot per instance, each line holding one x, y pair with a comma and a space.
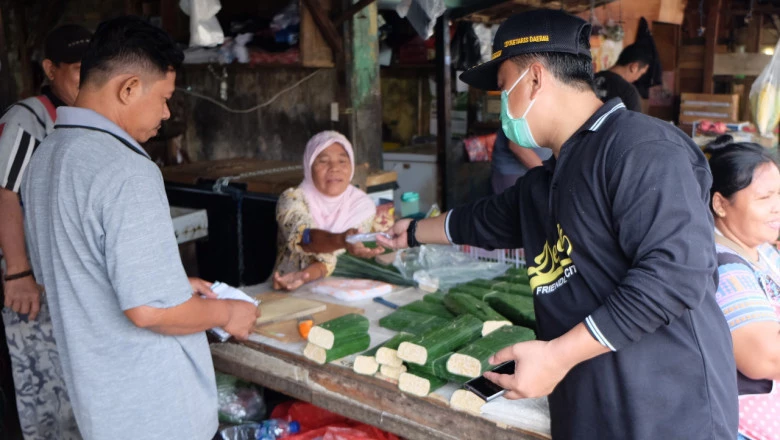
42, 401
617, 81
620, 250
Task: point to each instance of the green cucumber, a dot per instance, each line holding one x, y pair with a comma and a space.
387, 353
476, 292
461, 304
441, 340
438, 368
519, 309
367, 363
392, 372
338, 330
517, 271
514, 288
419, 384
410, 322
428, 308
464, 400
436, 298
484, 284
513, 279
472, 360
355, 344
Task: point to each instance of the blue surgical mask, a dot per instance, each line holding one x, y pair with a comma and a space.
517, 129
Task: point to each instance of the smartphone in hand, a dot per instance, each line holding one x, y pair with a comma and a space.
486, 389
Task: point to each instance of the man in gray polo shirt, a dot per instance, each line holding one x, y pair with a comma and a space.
128, 326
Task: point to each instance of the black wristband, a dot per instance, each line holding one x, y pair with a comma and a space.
411, 240
17, 276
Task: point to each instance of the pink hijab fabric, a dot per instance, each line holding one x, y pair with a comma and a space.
340, 213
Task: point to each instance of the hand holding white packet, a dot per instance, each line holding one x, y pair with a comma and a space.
225, 291
367, 238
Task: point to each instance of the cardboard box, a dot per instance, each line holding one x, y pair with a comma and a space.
717, 108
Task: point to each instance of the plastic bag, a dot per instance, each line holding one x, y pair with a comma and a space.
248, 431
465, 47
765, 96
422, 14
321, 424
204, 27
239, 401
439, 267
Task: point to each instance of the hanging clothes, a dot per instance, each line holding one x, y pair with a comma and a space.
653, 76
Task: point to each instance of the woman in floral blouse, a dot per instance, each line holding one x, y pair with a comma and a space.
315, 218
746, 207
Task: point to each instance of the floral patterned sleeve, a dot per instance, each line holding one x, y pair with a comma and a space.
292, 218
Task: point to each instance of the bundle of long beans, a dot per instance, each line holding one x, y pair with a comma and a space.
349, 266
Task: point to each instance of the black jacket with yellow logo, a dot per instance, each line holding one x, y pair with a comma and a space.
617, 234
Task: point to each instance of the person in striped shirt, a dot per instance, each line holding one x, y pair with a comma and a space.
746, 206
42, 401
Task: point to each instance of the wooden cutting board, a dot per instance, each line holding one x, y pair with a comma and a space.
287, 308
287, 331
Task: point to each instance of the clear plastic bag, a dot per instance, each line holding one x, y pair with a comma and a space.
239, 401
438, 267
205, 30
765, 96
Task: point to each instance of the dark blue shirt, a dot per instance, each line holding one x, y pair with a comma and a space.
617, 234
504, 160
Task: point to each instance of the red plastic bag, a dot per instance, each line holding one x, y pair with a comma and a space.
358, 432
319, 423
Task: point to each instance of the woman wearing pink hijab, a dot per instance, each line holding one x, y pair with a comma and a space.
315, 218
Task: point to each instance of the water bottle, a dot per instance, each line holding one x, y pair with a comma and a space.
273, 429
410, 203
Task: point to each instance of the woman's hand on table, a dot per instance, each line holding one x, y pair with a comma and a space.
359, 249
291, 281
398, 231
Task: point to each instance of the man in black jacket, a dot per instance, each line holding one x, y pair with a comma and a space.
617, 81
620, 249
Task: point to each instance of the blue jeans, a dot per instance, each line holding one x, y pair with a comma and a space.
741, 437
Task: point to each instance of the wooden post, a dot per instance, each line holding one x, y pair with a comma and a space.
753, 45
711, 40
24, 52
444, 109
7, 83
323, 22
351, 11
361, 66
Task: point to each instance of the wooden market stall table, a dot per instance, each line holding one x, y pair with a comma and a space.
282, 367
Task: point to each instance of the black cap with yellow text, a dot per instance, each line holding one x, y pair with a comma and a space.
537, 31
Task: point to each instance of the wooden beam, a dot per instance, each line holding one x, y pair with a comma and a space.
747, 64
354, 9
362, 86
444, 109
329, 31
758, 9
24, 53
711, 41
754, 31
776, 21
